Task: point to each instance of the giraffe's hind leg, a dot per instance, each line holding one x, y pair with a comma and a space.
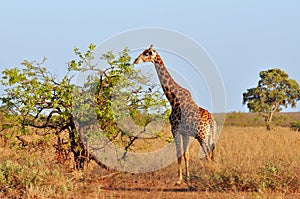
211, 138
206, 142
211, 149
204, 147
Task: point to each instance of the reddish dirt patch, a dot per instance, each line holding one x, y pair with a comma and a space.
159, 184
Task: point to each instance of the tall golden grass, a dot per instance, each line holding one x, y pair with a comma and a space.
247, 160
251, 159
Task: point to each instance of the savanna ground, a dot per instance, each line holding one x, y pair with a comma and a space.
250, 162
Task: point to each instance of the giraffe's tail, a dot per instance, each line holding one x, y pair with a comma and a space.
212, 134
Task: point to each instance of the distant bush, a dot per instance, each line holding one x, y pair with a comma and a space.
295, 125
242, 119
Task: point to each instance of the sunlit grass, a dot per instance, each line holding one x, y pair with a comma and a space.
251, 159
248, 160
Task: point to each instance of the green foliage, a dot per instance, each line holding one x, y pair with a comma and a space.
121, 94
32, 91
274, 92
36, 98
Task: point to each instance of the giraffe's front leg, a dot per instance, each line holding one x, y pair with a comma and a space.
186, 142
179, 181
186, 158
177, 139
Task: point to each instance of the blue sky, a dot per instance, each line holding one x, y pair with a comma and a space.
242, 37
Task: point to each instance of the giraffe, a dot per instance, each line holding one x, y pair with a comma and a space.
187, 119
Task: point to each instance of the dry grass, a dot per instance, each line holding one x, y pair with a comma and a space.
250, 162
252, 159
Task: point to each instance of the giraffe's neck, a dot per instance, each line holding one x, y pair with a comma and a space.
170, 87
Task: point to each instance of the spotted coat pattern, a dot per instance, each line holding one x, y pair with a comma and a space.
187, 119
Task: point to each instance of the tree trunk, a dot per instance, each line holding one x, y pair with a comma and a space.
269, 118
81, 155
268, 125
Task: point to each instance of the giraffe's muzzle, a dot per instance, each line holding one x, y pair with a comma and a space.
137, 61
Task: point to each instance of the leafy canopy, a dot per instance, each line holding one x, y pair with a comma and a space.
275, 91
120, 92
39, 99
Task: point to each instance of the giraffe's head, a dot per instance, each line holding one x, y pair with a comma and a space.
148, 55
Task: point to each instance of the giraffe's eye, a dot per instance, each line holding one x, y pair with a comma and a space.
148, 53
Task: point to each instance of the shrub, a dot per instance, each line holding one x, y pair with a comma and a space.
14, 176
295, 125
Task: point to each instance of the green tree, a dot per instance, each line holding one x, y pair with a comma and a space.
274, 92
38, 99
120, 93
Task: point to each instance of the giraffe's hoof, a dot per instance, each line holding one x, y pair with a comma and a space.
192, 188
179, 182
